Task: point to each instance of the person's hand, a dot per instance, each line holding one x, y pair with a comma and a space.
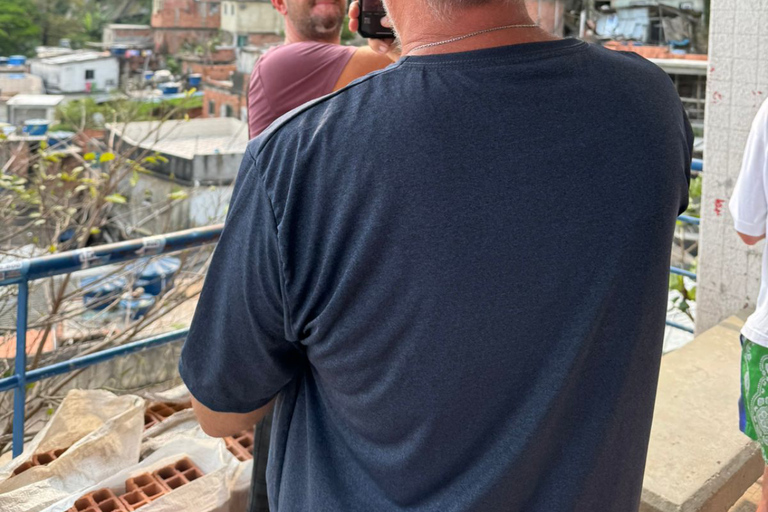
382, 46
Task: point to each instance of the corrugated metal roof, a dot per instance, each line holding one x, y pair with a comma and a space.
76, 57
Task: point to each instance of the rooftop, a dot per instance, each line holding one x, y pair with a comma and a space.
187, 139
36, 100
121, 26
76, 57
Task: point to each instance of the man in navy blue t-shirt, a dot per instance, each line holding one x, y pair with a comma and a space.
449, 279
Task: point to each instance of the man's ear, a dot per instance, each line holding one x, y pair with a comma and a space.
280, 6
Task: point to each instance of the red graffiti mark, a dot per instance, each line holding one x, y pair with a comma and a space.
719, 207
758, 97
717, 97
712, 69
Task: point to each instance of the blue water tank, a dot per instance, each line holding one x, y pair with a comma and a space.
60, 138
36, 127
195, 79
157, 275
3, 61
139, 306
102, 291
170, 88
118, 50
17, 60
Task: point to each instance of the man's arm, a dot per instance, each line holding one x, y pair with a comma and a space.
222, 424
363, 61
749, 239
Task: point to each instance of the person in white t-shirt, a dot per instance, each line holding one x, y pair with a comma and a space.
749, 207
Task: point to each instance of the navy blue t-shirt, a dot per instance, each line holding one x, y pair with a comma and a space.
453, 274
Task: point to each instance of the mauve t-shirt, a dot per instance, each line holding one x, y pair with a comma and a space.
290, 75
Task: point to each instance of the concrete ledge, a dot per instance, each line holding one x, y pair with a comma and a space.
698, 460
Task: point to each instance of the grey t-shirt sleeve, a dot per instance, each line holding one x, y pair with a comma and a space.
236, 357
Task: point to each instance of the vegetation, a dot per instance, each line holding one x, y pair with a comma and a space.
54, 200
25, 24
18, 32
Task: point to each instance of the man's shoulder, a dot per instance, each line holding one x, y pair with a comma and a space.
317, 111
299, 55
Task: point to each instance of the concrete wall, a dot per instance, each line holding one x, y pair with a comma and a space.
70, 77
203, 207
247, 17
729, 271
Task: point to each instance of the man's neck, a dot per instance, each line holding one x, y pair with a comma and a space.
294, 36
414, 33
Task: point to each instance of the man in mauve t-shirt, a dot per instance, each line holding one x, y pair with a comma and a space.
311, 63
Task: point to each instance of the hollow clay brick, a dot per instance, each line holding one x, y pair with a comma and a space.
103, 500
19, 470
180, 473
141, 490
40, 459
161, 410
179, 406
150, 420
241, 445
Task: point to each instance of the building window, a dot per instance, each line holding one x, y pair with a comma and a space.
211, 108
242, 41
90, 74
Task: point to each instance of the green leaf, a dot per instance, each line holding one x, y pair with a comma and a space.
89, 156
43, 145
178, 195
95, 231
106, 157
115, 198
52, 248
39, 222
49, 411
135, 178
162, 159
80, 188
150, 160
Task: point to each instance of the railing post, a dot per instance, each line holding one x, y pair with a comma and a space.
20, 393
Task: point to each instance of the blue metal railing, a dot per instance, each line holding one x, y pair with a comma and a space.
24, 271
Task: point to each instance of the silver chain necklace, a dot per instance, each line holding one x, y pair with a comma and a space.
473, 34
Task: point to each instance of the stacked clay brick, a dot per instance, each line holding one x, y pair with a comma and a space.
159, 411
241, 445
40, 459
141, 489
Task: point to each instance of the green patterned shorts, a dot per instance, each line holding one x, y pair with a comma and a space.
753, 404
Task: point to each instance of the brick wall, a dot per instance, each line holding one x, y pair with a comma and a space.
187, 14
729, 271
169, 41
218, 97
214, 72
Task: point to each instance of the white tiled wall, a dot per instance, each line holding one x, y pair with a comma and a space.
729, 271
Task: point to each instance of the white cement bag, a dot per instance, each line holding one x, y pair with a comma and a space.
210, 493
188, 428
103, 433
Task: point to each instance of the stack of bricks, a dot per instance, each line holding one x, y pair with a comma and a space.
40, 459
241, 445
159, 411
140, 490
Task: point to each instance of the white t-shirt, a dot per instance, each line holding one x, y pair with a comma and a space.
749, 207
